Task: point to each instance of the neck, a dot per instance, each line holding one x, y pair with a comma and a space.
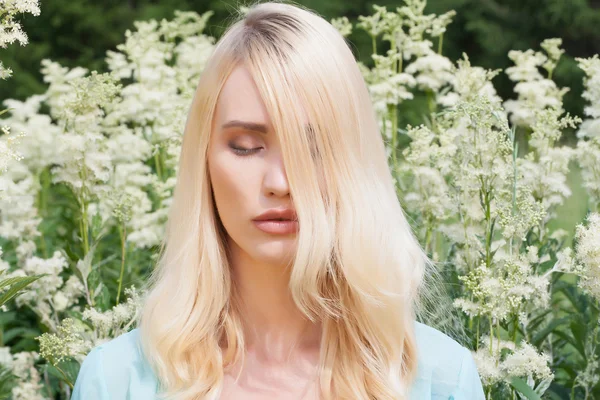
273, 325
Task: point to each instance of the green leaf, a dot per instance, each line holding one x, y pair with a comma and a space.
540, 336
103, 301
579, 331
538, 319
66, 373
571, 341
543, 386
19, 333
523, 388
7, 382
18, 283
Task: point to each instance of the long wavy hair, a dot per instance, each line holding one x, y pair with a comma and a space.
358, 268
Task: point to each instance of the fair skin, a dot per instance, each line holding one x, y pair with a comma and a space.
282, 346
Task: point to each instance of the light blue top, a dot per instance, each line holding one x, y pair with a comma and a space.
116, 370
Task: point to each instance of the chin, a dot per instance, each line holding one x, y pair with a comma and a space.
274, 251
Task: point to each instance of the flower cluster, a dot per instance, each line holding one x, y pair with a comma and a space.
28, 380
588, 254
11, 30
588, 147
102, 159
534, 91
95, 173
73, 339
51, 294
503, 359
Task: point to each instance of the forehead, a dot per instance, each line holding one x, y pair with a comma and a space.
240, 99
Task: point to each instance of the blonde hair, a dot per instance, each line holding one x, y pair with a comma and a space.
358, 267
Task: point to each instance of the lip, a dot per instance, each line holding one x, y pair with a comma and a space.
270, 222
282, 213
277, 227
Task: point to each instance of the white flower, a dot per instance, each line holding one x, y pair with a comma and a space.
10, 30
6, 357
522, 361
588, 253
526, 65
29, 383
535, 93
431, 71
343, 25
527, 361
489, 371
591, 67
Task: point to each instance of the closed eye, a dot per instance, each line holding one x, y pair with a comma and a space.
244, 152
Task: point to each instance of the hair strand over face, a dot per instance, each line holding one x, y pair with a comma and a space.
357, 267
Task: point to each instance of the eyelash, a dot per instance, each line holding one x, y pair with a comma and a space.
244, 152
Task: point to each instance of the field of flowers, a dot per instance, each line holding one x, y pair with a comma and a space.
88, 167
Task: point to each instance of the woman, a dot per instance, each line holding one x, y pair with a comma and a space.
288, 269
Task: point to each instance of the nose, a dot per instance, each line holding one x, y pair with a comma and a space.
275, 181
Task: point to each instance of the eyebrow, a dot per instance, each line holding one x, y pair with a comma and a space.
249, 126
252, 126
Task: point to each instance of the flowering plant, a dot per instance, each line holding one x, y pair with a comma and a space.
482, 178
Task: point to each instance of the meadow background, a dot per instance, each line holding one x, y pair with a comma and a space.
490, 110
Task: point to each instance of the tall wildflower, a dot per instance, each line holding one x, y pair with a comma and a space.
463, 180
73, 339
535, 92
96, 174
29, 383
588, 254
508, 360
21, 221
108, 148
10, 30
410, 62
588, 147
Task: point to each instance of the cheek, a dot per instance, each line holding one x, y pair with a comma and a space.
234, 183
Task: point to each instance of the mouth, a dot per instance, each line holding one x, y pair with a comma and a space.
277, 226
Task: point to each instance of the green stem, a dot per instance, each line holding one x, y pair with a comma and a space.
42, 207
67, 380
491, 337
157, 164
515, 325
440, 43
432, 109
478, 335
393, 47
514, 192
374, 43
498, 334
428, 239
393, 116
122, 234
84, 228
488, 235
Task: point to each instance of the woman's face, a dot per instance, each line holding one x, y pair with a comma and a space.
247, 173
